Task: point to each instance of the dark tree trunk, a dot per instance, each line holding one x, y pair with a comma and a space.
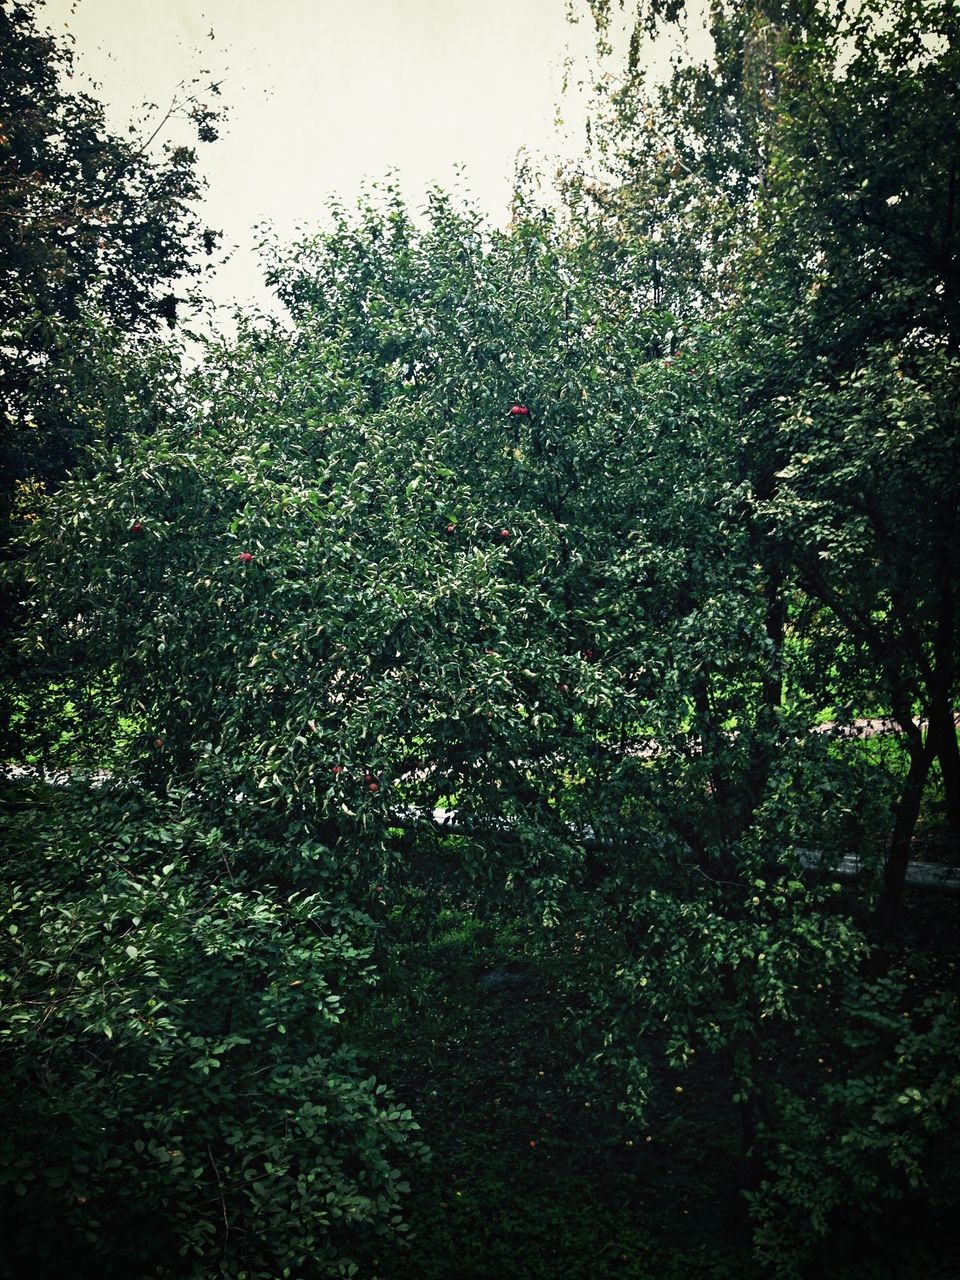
943, 731
751, 1165
753, 1114
10, 610
948, 753
710, 739
907, 812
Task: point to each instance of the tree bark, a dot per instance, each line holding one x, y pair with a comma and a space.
944, 731
907, 811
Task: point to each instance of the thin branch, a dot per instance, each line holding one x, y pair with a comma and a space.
223, 1202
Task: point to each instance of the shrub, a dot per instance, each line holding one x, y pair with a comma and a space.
181, 1097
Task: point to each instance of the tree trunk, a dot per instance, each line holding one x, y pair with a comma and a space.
751, 1165
949, 757
10, 610
908, 810
944, 732
752, 1109
710, 739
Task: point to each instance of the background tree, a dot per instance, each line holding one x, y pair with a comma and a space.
812, 162
96, 234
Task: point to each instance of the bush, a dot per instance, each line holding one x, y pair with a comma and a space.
180, 1094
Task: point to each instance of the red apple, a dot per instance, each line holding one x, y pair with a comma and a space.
451, 528
504, 533
158, 743
373, 786
337, 769
245, 557
519, 411
136, 528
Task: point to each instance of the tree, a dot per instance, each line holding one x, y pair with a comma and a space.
812, 163
180, 1091
455, 537
500, 523
863, 179
89, 220
95, 237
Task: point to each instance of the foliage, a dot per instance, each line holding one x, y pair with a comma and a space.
406, 596
577, 529
531, 1168
797, 192
96, 233
180, 1094
89, 219
884, 1132
800, 185
487, 1068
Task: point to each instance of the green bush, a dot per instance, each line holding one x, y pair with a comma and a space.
180, 1095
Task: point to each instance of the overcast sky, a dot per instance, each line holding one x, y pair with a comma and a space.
323, 94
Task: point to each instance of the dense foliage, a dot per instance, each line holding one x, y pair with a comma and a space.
90, 220
800, 190
186, 1094
98, 233
579, 531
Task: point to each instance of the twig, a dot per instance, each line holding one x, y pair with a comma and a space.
223, 1202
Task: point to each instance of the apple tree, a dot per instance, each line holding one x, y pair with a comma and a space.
464, 535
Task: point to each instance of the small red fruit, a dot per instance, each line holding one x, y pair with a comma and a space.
519, 411
451, 528
337, 769
136, 528
504, 533
533, 1142
158, 743
245, 557
373, 786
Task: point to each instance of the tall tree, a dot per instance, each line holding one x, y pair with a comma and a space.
97, 236
808, 170
88, 220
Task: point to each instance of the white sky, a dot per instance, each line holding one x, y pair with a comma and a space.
323, 94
